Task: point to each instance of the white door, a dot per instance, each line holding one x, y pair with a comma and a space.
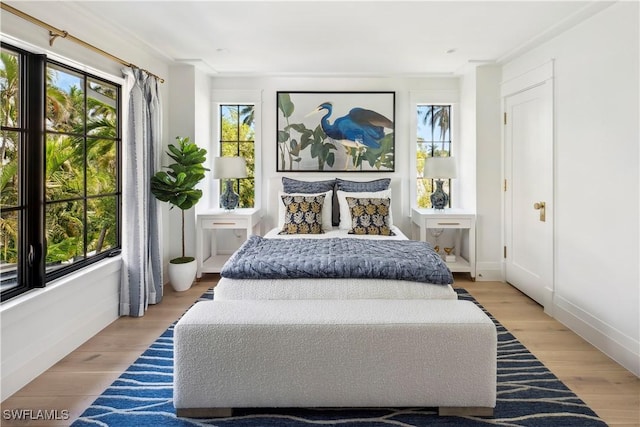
529, 192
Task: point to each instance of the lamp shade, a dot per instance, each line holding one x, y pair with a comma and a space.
229, 167
439, 167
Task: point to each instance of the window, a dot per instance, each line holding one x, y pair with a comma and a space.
237, 138
60, 182
12, 144
433, 140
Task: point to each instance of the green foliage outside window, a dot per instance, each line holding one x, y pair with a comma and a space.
433, 140
9, 156
237, 138
81, 164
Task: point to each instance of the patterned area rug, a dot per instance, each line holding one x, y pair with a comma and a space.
528, 395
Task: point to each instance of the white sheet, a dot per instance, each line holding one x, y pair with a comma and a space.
272, 289
335, 232
283, 289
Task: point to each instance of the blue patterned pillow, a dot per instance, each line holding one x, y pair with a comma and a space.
290, 185
361, 187
356, 187
303, 214
370, 216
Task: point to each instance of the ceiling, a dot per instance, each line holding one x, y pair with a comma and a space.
360, 38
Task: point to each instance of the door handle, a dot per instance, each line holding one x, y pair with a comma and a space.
541, 206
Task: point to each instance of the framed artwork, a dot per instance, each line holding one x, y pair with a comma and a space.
335, 131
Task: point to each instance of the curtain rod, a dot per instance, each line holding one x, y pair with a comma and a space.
54, 33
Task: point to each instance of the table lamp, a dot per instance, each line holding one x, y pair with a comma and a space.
229, 168
439, 168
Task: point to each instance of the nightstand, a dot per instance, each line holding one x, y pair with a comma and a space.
218, 219
463, 221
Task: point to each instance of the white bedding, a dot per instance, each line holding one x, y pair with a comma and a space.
335, 232
235, 289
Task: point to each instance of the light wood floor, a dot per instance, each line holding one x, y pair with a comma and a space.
76, 381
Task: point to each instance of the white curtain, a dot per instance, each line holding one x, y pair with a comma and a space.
141, 282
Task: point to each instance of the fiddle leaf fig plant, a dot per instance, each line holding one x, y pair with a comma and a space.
177, 185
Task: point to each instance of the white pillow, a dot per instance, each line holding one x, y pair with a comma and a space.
326, 208
345, 212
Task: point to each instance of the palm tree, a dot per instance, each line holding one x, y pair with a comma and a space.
68, 155
437, 116
9, 92
433, 116
9, 87
9, 96
65, 164
61, 105
248, 114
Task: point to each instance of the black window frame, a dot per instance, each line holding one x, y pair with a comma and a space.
31, 268
237, 106
435, 144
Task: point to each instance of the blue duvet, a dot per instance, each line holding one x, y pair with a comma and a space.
260, 258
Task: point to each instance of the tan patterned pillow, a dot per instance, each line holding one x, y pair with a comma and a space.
370, 216
303, 214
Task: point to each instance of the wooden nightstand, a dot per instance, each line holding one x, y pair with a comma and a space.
219, 219
461, 220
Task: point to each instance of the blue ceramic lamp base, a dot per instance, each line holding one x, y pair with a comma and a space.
439, 199
229, 199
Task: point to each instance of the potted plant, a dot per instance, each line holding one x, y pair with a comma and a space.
177, 187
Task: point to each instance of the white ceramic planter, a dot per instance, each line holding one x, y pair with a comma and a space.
181, 276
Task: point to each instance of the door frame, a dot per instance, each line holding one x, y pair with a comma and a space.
543, 74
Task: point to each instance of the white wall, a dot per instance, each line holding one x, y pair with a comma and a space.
481, 164
597, 282
204, 115
489, 256
466, 150
468, 137
44, 325
189, 115
181, 120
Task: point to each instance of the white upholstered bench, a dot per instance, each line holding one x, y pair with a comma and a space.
334, 353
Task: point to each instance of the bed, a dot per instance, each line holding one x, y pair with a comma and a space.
255, 271
292, 309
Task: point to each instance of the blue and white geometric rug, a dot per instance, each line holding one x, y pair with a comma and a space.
528, 395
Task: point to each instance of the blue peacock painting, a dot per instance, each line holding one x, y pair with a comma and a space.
363, 137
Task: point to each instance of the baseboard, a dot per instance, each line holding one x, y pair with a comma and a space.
618, 346
489, 272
